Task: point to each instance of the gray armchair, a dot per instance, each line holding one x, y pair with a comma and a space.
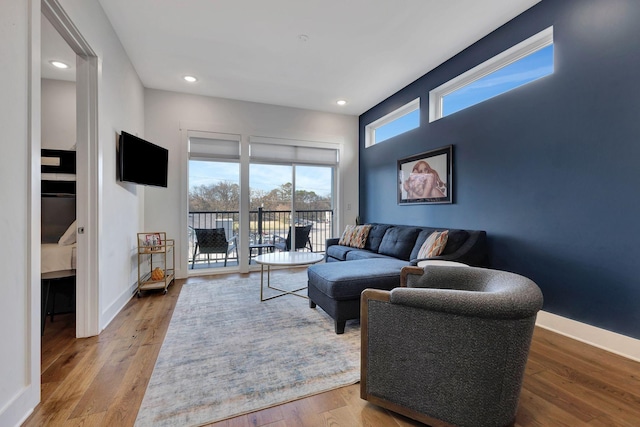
450, 346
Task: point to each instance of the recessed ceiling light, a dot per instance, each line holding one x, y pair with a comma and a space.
190, 79
59, 64
303, 37
341, 102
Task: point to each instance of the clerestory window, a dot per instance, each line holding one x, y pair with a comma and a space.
395, 123
523, 63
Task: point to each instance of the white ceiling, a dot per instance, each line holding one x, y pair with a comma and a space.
359, 50
54, 48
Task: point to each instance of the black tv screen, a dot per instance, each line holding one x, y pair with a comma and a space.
141, 161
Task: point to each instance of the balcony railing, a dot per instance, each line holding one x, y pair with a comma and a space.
265, 227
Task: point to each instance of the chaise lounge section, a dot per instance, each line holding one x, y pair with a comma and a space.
337, 284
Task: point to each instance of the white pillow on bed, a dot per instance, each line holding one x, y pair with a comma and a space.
69, 236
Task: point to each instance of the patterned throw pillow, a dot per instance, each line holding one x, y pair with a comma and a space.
434, 245
355, 236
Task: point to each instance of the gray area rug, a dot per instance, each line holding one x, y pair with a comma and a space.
227, 354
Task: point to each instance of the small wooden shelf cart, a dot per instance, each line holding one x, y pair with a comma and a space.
156, 261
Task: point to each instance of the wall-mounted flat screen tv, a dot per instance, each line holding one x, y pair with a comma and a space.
141, 161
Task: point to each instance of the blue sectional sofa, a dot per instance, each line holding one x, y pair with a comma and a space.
337, 284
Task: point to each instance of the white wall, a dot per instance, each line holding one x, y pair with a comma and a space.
120, 107
19, 366
58, 114
164, 111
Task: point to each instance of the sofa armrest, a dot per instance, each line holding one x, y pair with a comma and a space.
332, 241
329, 242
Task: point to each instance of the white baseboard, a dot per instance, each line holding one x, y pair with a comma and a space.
110, 313
610, 341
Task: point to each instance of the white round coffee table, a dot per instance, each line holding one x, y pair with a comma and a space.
284, 259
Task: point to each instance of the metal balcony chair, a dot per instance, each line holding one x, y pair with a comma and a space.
212, 241
302, 239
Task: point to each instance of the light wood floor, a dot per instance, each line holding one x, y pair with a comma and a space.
100, 381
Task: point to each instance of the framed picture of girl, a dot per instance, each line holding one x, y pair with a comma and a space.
426, 177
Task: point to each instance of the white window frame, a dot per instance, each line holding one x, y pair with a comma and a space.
370, 129
509, 56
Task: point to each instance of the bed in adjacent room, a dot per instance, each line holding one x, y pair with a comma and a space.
58, 232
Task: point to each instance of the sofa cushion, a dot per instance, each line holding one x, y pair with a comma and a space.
434, 245
398, 241
338, 252
376, 233
347, 280
455, 240
355, 235
363, 254
422, 236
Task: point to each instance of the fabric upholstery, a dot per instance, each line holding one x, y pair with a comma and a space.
69, 236
355, 236
455, 239
345, 280
338, 252
425, 232
452, 345
398, 242
362, 254
434, 245
376, 233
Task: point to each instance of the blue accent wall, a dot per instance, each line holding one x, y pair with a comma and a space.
551, 170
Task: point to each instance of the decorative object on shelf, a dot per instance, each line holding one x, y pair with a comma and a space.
157, 274
153, 241
156, 261
426, 177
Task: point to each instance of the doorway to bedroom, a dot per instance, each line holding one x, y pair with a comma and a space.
58, 179
69, 128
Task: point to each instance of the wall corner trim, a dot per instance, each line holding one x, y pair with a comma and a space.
601, 338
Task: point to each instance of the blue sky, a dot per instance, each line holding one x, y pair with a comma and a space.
262, 177
525, 70
398, 126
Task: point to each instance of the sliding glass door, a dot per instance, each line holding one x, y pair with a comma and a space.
270, 207
242, 206
214, 202
313, 203
283, 196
